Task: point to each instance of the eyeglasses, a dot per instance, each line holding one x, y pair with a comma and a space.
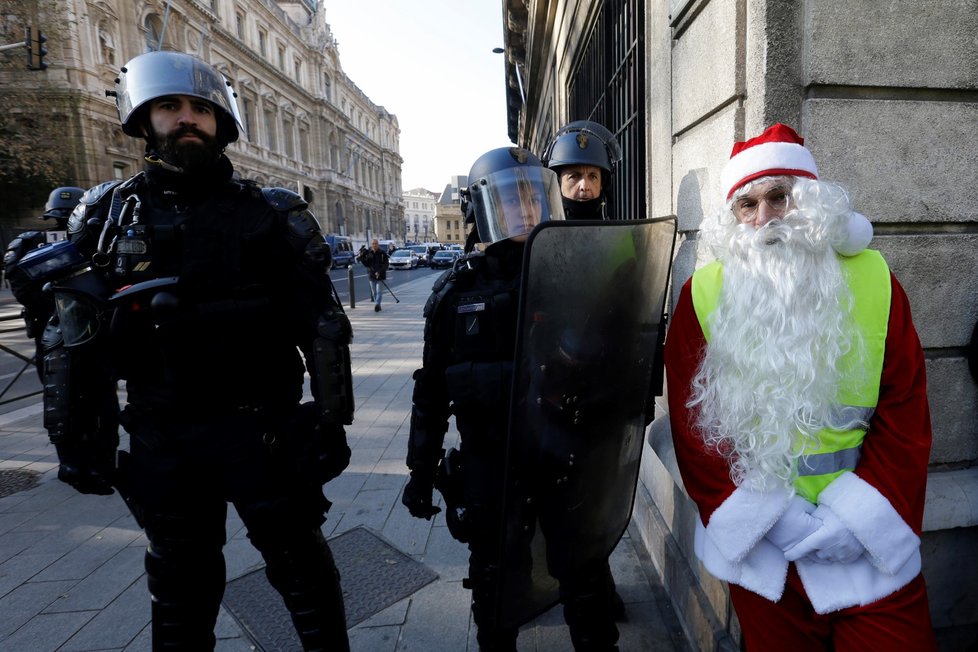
777, 199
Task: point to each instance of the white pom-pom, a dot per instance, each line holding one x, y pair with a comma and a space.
859, 232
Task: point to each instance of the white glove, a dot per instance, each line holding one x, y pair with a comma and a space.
832, 543
794, 525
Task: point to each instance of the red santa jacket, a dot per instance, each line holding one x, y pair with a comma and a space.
882, 502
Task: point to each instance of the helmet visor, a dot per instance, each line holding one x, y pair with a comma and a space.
510, 202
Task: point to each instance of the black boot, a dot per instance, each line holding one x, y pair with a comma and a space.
591, 622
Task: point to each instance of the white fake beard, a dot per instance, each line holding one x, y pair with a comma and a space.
769, 379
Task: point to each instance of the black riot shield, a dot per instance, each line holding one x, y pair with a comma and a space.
591, 315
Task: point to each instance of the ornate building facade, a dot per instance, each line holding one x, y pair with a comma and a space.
308, 127
419, 215
449, 221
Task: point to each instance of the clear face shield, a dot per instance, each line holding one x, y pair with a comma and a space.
79, 316
510, 202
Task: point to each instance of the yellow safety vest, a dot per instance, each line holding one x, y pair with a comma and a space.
836, 451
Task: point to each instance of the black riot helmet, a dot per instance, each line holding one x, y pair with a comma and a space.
510, 192
157, 74
61, 202
582, 142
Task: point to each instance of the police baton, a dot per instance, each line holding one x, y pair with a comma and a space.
396, 300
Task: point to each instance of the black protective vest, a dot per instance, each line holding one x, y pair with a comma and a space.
223, 336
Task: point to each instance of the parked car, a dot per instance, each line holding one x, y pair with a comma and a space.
341, 247
421, 251
403, 259
426, 251
445, 258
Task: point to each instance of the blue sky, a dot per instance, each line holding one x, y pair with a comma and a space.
429, 62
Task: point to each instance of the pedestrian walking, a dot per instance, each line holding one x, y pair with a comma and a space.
377, 262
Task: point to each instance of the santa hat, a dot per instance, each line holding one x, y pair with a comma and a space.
778, 151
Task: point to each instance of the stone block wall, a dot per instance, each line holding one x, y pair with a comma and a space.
886, 95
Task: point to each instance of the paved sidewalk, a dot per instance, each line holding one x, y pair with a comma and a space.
71, 573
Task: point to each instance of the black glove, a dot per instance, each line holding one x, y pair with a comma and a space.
334, 453
417, 496
87, 469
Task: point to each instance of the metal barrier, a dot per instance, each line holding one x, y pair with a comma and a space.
28, 362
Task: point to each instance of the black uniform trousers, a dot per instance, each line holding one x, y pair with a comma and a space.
184, 470
586, 586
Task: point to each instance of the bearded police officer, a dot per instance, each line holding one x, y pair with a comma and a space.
209, 296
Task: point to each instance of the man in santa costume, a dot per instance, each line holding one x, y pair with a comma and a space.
798, 405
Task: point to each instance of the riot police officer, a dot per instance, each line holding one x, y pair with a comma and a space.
209, 296
583, 154
468, 359
39, 306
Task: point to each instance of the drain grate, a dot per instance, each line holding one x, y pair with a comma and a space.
373, 573
14, 480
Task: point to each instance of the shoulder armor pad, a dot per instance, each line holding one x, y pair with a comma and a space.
444, 279
445, 283
92, 197
305, 236
303, 226
439, 291
282, 199
96, 193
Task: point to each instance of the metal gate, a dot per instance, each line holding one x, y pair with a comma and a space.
608, 86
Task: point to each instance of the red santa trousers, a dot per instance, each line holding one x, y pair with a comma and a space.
899, 622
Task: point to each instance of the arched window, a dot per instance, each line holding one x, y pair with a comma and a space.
340, 219
154, 33
270, 132
106, 45
288, 137
304, 144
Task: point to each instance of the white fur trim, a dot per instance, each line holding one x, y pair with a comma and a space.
773, 155
742, 520
860, 232
890, 543
763, 570
831, 587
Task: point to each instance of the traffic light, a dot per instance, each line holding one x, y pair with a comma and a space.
35, 49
